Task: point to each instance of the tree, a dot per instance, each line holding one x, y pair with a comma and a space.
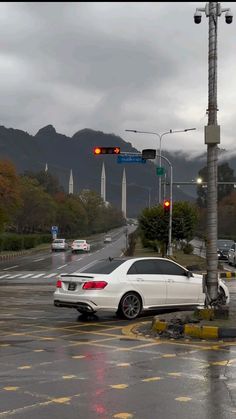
48, 182
72, 218
9, 192
154, 224
38, 210
225, 174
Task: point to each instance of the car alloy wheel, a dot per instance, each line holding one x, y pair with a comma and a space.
130, 306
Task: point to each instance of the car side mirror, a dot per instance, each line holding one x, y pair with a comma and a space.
189, 274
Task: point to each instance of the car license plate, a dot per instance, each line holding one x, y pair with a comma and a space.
72, 286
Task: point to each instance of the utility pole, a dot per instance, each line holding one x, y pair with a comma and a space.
212, 139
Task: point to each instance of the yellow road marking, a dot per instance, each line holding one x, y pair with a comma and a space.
146, 380
25, 367
68, 377
124, 364
183, 399
123, 416
169, 356
38, 350
175, 374
119, 386
11, 388
78, 356
62, 400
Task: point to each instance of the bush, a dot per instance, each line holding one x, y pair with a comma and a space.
30, 241
188, 249
12, 242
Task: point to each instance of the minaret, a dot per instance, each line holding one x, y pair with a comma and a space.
103, 183
123, 200
46, 168
71, 184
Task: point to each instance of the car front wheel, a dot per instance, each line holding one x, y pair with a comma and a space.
130, 306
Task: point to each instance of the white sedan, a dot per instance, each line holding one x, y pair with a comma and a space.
129, 285
80, 245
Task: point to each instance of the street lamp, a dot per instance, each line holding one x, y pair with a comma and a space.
212, 138
160, 138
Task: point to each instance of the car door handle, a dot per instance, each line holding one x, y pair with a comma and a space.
170, 280
140, 279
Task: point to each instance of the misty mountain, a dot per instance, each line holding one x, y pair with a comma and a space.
62, 153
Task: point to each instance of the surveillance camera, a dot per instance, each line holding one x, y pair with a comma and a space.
228, 17
197, 17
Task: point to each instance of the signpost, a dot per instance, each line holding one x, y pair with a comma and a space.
54, 231
130, 159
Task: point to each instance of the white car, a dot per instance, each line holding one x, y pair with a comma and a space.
59, 244
129, 285
232, 255
107, 239
80, 245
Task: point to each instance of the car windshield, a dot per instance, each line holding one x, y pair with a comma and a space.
224, 244
104, 266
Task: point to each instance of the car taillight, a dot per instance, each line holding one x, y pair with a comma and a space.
59, 283
94, 285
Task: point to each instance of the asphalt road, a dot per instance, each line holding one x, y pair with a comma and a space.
55, 364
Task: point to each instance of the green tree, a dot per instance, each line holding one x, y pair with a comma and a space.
72, 218
225, 174
38, 210
48, 182
9, 192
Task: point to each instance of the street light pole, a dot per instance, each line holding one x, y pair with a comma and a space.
160, 150
212, 139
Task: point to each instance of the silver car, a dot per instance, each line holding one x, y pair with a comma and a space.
59, 244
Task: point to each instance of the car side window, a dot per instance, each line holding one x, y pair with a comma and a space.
170, 268
145, 267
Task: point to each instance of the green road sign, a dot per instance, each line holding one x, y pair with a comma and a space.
160, 171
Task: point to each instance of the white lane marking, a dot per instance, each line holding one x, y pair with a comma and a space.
37, 260
26, 276
60, 267
89, 264
37, 276
78, 259
11, 267
4, 276
14, 276
49, 276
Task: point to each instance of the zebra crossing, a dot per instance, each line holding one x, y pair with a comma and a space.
30, 275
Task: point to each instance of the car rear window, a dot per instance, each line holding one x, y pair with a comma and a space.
58, 241
79, 241
104, 267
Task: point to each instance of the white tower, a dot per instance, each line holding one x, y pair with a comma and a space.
71, 184
103, 183
123, 199
46, 168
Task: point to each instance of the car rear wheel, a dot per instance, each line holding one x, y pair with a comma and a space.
130, 306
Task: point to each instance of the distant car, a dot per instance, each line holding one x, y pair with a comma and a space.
80, 245
223, 247
107, 239
59, 244
232, 255
129, 286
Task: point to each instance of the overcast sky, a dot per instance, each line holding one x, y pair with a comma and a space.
115, 66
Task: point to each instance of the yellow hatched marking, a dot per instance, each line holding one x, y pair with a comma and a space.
18, 334
62, 400
183, 399
78, 356
123, 416
3, 345
47, 338
175, 374
39, 350
68, 377
24, 367
146, 380
169, 356
11, 388
119, 386
124, 364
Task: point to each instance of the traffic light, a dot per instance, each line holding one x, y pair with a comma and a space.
166, 206
106, 150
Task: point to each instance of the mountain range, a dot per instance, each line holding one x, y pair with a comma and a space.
63, 153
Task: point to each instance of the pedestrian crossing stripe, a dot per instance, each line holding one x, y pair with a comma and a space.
31, 275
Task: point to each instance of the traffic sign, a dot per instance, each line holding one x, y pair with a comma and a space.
54, 229
160, 171
130, 159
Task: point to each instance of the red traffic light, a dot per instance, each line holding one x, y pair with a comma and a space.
166, 206
106, 150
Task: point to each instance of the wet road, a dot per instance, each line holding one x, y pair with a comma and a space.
55, 364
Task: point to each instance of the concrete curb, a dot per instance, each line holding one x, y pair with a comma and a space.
197, 331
